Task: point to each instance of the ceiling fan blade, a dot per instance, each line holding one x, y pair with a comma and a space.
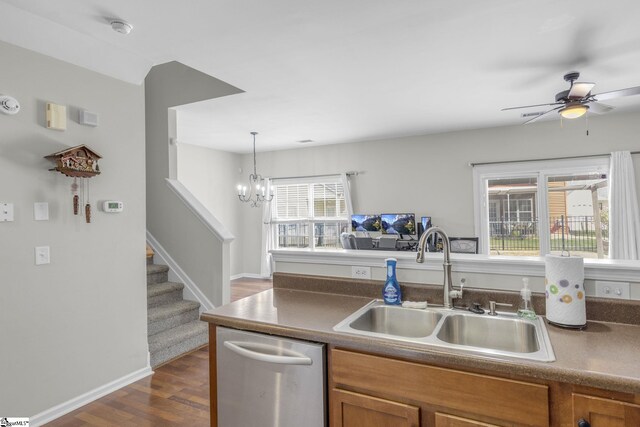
599, 108
543, 114
580, 90
617, 93
532, 106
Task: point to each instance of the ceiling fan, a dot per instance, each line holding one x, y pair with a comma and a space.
575, 101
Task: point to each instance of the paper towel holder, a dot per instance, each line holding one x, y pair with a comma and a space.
565, 293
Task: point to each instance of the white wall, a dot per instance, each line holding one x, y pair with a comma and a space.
79, 322
212, 176
199, 253
429, 174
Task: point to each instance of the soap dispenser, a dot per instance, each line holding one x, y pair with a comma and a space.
526, 307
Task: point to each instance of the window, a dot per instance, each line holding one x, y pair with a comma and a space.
512, 225
535, 208
309, 212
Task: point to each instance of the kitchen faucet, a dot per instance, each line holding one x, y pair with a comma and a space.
449, 293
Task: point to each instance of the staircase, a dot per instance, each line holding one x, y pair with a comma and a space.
174, 327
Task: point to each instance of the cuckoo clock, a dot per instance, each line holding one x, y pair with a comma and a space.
78, 162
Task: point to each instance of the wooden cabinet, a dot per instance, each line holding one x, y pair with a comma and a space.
441, 397
599, 412
359, 410
444, 420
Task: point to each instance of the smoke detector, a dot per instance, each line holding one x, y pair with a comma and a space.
121, 27
9, 105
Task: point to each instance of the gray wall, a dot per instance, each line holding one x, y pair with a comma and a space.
212, 177
80, 322
196, 250
429, 174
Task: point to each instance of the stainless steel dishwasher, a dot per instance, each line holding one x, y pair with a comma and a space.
267, 381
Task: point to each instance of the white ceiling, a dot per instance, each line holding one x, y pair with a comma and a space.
339, 71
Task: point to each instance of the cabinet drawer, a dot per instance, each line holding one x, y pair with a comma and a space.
498, 398
444, 420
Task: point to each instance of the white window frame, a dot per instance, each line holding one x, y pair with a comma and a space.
518, 211
541, 170
312, 219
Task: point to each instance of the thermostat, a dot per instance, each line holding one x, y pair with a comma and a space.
112, 206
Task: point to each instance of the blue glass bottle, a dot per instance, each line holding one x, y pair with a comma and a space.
391, 292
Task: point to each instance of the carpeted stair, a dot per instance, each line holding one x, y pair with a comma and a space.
174, 327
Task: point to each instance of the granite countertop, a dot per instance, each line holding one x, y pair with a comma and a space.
604, 355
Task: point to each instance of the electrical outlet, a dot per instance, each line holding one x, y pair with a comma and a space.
361, 272
6, 212
606, 289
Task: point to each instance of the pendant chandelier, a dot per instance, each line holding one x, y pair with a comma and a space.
256, 192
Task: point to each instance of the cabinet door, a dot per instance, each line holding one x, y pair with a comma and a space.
601, 412
350, 409
444, 420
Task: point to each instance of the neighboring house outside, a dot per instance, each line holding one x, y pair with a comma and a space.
513, 216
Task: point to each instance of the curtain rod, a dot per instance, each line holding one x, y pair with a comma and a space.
543, 160
350, 173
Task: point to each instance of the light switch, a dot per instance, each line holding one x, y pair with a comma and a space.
41, 211
42, 255
6, 212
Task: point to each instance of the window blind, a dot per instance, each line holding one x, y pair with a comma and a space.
292, 201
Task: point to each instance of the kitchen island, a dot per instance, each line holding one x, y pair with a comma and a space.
596, 370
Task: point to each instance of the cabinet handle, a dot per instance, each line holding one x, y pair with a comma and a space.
267, 353
583, 423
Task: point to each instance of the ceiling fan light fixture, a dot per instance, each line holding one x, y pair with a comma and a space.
573, 111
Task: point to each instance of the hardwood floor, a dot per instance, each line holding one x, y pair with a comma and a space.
176, 394
242, 288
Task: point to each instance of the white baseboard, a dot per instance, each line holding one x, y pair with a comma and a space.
191, 290
249, 276
88, 397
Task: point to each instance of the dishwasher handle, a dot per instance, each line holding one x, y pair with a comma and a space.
261, 352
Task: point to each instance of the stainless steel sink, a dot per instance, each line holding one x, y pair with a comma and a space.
497, 333
398, 321
505, 335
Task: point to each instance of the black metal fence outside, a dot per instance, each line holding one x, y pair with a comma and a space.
573, 233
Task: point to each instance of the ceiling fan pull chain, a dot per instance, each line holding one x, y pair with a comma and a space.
586, 122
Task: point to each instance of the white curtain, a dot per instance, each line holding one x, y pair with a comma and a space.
347, 195
624, 217
267, 244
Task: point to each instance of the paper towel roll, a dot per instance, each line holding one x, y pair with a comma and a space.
564, 280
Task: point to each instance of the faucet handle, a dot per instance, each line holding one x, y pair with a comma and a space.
492, 307
458, 294
477, 308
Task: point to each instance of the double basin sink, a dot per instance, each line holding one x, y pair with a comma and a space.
504, 335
